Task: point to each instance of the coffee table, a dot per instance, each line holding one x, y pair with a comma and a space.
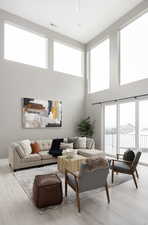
72, 164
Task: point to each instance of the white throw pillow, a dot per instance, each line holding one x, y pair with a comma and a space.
26, 145
44, 144
66, 145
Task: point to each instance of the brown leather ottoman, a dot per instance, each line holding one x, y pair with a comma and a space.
47, 190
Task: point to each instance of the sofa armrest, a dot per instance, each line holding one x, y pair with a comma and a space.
13, 156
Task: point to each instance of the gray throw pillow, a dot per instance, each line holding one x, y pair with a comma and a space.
90, 143
80, 143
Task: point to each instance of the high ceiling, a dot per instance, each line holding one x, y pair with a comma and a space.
81, 20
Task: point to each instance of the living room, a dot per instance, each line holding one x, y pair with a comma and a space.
49, 63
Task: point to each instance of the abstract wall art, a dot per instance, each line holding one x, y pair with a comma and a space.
39, 113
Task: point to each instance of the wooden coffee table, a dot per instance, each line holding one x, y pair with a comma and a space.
72, 164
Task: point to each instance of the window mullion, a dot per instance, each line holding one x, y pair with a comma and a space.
118, 125
137, 125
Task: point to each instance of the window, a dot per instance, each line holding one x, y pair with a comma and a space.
99, 67
67, 60
134, 51
120, 127
126, 127
25, 47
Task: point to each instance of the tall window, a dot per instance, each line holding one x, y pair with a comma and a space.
25, 47
100, 67
134, 51
67, 59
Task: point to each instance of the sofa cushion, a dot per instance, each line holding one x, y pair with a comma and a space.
91, 153
31, 158
45, 155
35, 148
66, 145
26, 145
44, 144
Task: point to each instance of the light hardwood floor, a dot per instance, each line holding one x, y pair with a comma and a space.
128, 206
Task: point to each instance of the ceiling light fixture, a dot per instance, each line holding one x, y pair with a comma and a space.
77, 6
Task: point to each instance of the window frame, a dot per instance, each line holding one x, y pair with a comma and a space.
32, 31
130, 21
75, 48
89, 65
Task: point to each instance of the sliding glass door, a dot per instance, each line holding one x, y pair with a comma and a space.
143, 130
126, 127
110, 139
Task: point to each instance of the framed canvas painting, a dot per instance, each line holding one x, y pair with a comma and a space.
39, 113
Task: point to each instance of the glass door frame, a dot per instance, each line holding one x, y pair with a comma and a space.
137, 124
103, 126
117, 103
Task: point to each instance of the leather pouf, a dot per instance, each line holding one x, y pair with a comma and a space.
47, 190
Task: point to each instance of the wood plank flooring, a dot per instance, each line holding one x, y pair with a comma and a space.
128, 206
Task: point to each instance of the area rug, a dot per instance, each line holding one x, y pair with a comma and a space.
26, 177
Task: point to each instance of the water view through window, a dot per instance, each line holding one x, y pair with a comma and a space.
126, 127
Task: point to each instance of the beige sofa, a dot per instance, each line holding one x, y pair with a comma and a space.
18, 161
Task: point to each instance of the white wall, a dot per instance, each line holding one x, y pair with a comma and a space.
18, 80
116, 91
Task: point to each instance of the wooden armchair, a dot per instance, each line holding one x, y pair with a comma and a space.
120, 157
86, 180
126, 167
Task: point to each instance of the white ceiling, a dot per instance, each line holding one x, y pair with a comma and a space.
94, 15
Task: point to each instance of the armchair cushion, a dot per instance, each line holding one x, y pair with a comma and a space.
121, 166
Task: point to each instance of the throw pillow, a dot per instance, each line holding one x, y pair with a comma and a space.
90, 143
55, 147
64, 145
44, 144
20, 151
80, 143
35, 148
26, 145
129, 155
